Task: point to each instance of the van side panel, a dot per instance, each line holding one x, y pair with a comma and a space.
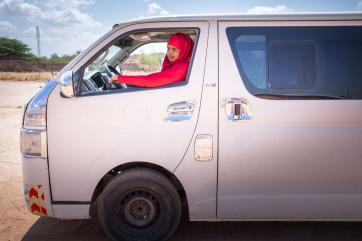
293, 159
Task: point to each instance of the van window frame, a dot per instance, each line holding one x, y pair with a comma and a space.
81, 70
321, 92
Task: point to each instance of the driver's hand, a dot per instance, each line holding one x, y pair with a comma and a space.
112, 80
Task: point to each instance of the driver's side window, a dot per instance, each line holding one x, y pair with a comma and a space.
98, 72
137, 54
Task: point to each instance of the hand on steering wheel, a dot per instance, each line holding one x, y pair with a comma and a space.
112, 73
112, 80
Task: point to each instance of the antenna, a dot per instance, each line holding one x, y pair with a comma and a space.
38, 39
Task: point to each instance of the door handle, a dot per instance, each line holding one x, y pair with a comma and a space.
180, 111
237, 109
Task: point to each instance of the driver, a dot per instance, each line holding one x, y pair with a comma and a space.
174, 67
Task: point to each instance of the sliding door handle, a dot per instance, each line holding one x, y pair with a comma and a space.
237, 109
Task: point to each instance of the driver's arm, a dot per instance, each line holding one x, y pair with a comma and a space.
174, 74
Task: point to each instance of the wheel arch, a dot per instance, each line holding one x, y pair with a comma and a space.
126, 166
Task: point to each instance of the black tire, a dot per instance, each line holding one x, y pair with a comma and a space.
139, 204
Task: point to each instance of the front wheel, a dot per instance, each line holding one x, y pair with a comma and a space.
139, 204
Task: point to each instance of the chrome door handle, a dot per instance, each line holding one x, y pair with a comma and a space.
180, 111
237, 109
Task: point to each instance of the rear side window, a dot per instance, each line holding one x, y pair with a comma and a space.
299, 62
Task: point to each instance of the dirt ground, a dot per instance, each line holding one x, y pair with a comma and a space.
27, 76
16, 223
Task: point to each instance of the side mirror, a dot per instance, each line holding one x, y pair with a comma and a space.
66, 84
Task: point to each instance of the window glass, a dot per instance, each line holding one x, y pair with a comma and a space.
299, 61
292, 64
101, 60
146, 59
251, 51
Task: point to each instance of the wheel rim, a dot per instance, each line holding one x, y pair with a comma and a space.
138, 209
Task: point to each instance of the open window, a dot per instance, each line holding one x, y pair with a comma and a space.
137, 53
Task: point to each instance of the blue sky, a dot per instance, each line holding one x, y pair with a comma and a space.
70, 25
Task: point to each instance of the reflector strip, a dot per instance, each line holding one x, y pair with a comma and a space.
35, 200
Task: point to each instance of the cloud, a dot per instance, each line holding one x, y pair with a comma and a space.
6, 27
164, 12
156, 9
18, 8
153, 7
62, 12
268, 10
65, 3
29, 30
64, 26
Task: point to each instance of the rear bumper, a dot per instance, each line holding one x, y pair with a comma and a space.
36, 186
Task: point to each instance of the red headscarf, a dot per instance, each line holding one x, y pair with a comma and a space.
184, 44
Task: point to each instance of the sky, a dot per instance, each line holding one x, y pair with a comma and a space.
70, 25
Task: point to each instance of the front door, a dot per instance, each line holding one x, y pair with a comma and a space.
90, 135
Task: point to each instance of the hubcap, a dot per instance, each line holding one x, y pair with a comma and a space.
140, 209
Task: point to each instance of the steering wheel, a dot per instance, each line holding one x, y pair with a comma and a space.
111, 71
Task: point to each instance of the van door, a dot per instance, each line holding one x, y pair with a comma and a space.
90, 135
290, 121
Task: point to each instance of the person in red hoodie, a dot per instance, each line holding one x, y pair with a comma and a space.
174, 67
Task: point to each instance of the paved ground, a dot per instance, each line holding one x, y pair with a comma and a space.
17, 224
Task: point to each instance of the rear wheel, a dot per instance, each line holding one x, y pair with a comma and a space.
139, 204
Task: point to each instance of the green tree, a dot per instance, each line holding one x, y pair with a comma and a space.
150, 62
14, 49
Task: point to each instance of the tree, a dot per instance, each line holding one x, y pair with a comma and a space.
150, 62
54, 56
14, 49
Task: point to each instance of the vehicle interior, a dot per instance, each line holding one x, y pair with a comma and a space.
107, 63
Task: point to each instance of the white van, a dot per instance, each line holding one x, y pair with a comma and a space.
267, 126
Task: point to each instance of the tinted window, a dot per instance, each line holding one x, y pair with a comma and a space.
292, 64
299, 61
251, 52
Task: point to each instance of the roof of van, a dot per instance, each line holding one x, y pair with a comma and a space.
250, 17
